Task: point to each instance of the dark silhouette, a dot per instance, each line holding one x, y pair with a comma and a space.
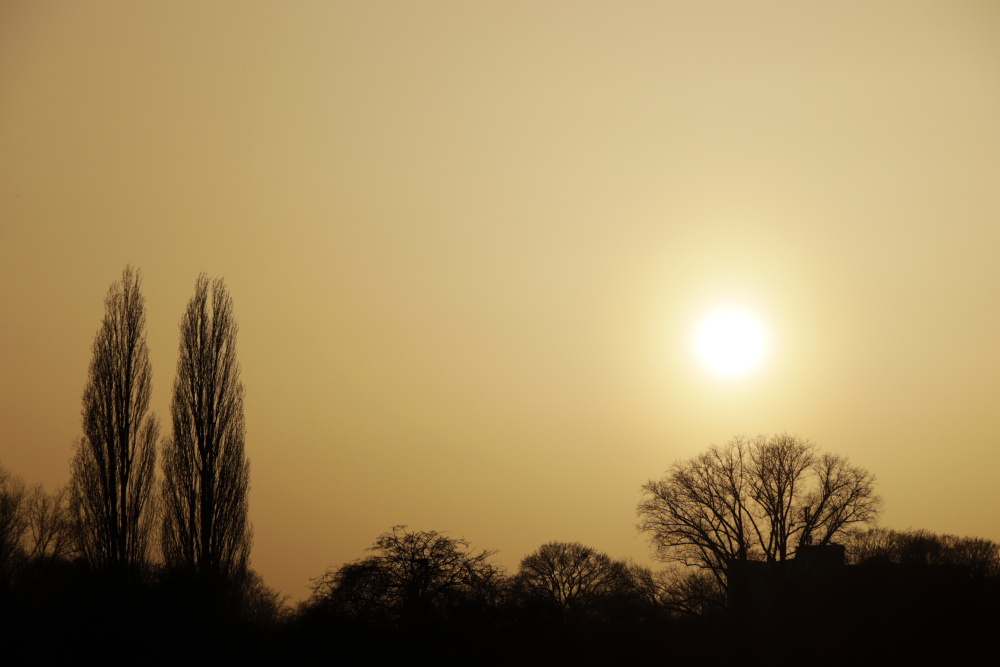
691, 591
206, 535
753, 499
12, 521
49, 527
913, 603
567, 574
112, 470
413, 580
978, 556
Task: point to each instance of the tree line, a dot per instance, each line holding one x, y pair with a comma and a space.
116, 543
778, 503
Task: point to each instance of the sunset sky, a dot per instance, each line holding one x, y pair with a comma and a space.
469, 245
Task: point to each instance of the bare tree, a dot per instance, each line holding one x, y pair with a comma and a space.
569, 573
112, 470
979, 556
754, 499
12, 520
206, 476
690, 591
412, 578
49, 529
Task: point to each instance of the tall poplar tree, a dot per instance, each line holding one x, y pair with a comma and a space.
206, 534
112, 469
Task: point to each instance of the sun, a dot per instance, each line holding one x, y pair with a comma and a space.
731, 341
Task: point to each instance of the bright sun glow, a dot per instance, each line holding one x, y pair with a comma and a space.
731, 341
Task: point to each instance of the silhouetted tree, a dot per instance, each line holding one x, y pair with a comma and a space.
412, 579
979, 556
206, 476
691, 592
49, 528
569, 573
112, 470
754, 499
263, 605
12, 520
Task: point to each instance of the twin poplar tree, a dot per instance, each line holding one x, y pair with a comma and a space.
205, 533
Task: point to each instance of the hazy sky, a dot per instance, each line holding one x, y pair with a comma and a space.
468, 244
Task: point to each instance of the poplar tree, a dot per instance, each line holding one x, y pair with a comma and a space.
112, 469
205, 532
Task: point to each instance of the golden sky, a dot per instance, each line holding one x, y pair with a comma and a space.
468, 244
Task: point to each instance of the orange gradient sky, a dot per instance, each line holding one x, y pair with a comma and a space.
469, 245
